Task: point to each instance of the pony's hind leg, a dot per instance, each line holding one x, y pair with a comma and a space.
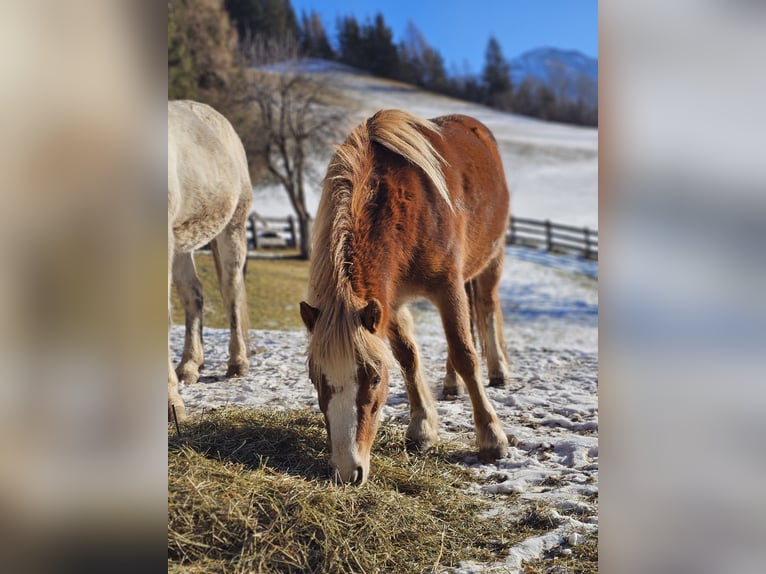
189, 289
454, 309
489, 321
230, 247
423, 430
453, 386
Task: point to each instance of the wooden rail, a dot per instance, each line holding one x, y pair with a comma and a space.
554, 237
266, 232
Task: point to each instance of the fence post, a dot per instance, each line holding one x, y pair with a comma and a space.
293, 230
255, 231
587, 242
548, 235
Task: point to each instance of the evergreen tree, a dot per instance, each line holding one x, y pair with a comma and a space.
379, 49
496, 76
267, 19
369, 47
435, 75
419, 63
525, 100
350, 42
314, 40
546, 100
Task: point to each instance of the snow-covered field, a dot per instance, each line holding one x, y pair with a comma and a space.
552, 169
550, 307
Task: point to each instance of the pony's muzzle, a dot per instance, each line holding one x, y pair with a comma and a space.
353, 476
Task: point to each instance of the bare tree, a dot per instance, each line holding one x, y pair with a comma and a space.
300, 116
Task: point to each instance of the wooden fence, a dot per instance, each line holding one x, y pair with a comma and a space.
266, 232
263, 232
554, 237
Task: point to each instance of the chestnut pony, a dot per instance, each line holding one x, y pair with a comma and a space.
410, 208
209, 197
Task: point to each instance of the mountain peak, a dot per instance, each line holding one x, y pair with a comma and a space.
561, 70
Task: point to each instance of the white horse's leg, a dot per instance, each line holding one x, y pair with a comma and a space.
231, 245
189, 289
175, 402
423, 430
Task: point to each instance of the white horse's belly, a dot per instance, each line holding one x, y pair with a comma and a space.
194, 226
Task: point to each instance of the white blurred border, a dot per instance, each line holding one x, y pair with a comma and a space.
682, 284
82, 265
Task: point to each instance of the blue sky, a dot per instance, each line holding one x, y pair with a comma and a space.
460, 29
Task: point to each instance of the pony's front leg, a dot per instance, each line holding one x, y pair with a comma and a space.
423, 430
189, 289
490, 436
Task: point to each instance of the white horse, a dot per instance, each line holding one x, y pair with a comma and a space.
209, 197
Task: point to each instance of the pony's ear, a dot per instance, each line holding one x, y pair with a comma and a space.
309, 315
370, 315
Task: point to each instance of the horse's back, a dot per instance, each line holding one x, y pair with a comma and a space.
477, 186
208, 176
471, 154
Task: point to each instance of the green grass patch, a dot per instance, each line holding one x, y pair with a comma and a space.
248, 491
275, 287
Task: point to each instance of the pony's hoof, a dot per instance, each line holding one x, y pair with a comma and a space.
490, 455
422, 435
188, 374
237, 369
419, 446
497, 382
493, 445
452, 393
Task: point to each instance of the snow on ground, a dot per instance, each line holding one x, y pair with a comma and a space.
552, 169
549, 410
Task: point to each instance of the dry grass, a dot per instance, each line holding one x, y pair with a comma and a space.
275, 287
248, 492
582, 560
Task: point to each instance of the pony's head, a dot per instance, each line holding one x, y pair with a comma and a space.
348, 364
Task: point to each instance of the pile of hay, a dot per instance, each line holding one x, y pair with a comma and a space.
248, 491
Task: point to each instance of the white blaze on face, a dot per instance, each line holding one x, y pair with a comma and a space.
342, 416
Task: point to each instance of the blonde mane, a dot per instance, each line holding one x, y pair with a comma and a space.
339, 340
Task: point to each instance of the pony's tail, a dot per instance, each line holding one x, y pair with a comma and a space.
244, 312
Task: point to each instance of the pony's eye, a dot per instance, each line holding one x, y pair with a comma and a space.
375, 381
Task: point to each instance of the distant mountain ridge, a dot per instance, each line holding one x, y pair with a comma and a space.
561, 70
